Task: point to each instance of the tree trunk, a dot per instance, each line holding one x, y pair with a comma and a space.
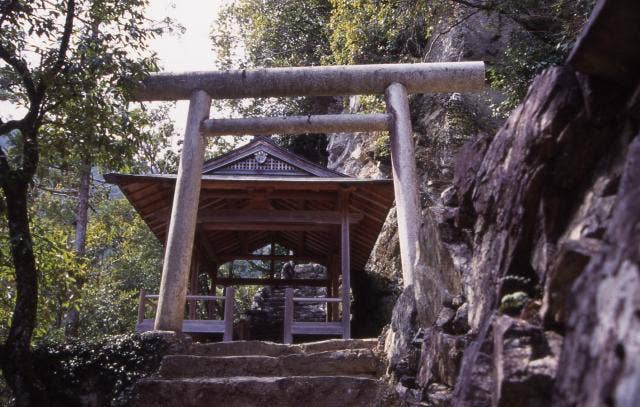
72, 319
17, 360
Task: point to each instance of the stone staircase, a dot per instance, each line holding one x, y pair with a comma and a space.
252, 373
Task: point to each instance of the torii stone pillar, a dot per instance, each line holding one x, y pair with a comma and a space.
182, 226
405, 180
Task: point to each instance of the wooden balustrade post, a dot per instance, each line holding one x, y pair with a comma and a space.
229, 304
182, 225
405, 180
211, 309
288, 315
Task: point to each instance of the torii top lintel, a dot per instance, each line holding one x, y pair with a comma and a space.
339, 80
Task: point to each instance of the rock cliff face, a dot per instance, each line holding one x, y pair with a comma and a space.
528, 286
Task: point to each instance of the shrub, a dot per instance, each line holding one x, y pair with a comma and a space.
100, 372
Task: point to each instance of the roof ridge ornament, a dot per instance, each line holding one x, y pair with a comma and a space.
260, 156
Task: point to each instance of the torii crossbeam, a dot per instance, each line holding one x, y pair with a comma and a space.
395, 81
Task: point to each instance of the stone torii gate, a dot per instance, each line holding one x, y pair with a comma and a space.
395, 81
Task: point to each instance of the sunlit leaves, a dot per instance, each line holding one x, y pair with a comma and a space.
272, 33
122, 257
375, 31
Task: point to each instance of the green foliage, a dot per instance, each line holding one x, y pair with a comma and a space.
312, 147
56, 263
548, 30
273, 33
153, 130
85, 112
106, 368
123, 256
377, 31
512, 304
382, 149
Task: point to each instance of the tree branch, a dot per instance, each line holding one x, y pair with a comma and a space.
6, 127
7, 8
22, 69
62, 49
441, 33
66, 36
33, 119
4, 164
65, 193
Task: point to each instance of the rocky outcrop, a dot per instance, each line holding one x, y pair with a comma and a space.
600, 363
537, 243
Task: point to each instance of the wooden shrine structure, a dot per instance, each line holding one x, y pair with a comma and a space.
259, 195
204, 223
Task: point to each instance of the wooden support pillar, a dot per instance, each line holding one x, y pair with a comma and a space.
288, 315
193, 286
272, 263
229, 304
335, 286
182, 225
405, 180
346, 267
328, 293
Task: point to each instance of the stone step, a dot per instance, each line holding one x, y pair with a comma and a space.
350, 362
260, 348
338, 344
241, 348
322, 391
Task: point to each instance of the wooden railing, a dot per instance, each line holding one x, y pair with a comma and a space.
292, 327
191, 324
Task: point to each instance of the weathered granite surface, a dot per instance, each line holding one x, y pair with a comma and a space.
540, 228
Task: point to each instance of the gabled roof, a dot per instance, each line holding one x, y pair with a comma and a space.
370, 199
241, 185
262, 157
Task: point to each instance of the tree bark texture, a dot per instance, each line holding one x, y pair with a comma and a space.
17, 364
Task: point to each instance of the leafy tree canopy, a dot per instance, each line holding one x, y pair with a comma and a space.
274, 33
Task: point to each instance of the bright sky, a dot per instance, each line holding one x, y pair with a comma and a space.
190, 51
